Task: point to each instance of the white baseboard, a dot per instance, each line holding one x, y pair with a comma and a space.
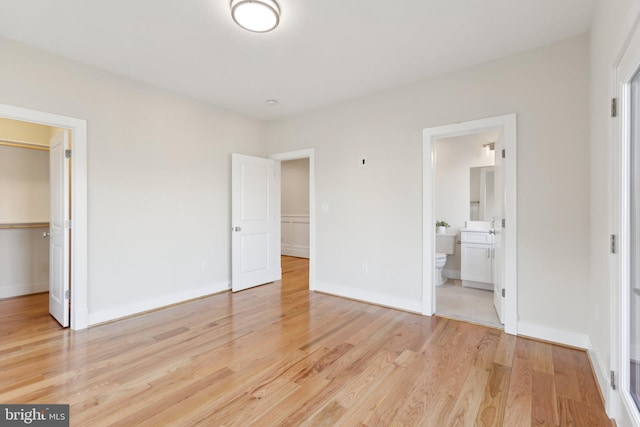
617, 407
297, 252
559, 336
19, 290
81, 321
370, 297
621, 407
602, 374
451, 274
154, 303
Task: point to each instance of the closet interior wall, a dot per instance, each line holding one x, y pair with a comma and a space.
24, 208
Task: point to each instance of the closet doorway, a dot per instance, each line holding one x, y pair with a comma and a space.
47, 251
34, 209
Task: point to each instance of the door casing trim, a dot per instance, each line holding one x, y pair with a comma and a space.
308, 153
79, 240
508, 125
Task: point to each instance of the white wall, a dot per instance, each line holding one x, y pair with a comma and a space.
375, 212
158, 178
24, 185
294, 224
606, 35
295, 187
24, 262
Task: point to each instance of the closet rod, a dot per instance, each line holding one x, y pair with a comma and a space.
22, 144
16, 225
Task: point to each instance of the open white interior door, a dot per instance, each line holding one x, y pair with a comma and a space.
255, 216
59, 229
498, 247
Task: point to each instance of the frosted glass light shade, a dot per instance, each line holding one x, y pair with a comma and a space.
258, 16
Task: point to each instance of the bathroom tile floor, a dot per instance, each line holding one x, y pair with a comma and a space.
474, 305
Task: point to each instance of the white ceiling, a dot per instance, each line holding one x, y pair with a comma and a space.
324, 51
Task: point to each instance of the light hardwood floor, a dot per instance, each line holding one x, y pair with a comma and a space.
280, 355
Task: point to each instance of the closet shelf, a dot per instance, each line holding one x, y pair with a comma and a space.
15, 225
23, 144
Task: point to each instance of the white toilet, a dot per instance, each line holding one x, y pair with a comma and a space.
445, 245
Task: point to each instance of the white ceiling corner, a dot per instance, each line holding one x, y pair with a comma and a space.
323, 51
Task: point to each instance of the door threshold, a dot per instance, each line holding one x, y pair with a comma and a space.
470, 320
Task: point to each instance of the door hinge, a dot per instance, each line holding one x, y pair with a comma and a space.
504, 293
68, 224
614, 107
613, 245
504, 223
67, 294
67, 154
504, 153
613, 380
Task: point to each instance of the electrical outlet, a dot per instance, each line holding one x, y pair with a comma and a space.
365, 268
204, 265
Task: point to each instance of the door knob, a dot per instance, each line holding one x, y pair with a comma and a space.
237, 229
46, 235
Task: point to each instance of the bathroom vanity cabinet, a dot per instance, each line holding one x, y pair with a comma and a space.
477, 259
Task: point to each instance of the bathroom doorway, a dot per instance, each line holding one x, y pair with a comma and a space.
464, 200
501, 254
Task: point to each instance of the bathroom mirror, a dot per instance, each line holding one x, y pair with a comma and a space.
481, 193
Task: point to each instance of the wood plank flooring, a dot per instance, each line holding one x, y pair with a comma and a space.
281, 355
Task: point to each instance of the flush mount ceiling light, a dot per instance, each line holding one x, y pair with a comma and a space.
259, 16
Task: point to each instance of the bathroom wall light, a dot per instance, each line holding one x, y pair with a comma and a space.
259, 16
487, 148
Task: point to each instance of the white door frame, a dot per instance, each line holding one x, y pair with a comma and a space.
308, 153
627, 61
78, 273
507, 124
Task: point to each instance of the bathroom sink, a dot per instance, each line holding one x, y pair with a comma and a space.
478, 225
